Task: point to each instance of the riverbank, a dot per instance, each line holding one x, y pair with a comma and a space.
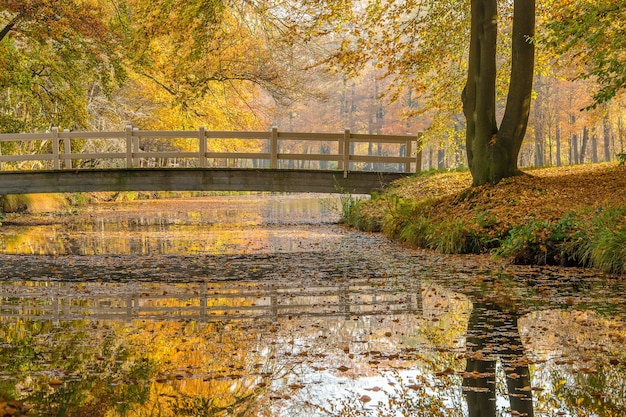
573, 215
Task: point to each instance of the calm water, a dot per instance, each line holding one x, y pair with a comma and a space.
264, 306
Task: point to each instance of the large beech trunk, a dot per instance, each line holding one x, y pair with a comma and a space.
492, 152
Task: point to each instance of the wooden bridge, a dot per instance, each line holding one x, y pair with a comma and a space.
143, 160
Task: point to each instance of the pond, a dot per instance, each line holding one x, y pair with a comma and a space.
263, 305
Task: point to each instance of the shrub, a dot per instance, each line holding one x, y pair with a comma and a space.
399, 213
451, 236
604, 245
609, 250
541, 242
418, 232
352, 214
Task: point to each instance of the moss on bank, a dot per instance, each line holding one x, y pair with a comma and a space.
565, 216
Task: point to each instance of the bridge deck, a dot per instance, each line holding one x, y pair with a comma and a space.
193, 179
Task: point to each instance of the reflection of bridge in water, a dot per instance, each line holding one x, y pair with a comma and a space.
142, 160
205, 301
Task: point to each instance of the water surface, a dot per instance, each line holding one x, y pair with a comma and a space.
264, 305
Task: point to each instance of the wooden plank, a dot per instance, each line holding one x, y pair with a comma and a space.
237, 135
237, 155
26, 137
309, 157
92, 135
385, 159
400, 139
112, 155
166, 134
22, 158
320, 137
192, 155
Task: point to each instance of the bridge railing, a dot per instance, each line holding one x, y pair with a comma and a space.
207, 302
131, 148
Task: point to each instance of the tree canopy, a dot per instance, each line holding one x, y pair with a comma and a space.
593, 33
50, 54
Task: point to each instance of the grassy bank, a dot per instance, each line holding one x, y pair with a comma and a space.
564, 216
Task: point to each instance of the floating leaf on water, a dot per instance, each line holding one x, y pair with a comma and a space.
55, 383
445, 372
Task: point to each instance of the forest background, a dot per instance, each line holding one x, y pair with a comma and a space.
386, 67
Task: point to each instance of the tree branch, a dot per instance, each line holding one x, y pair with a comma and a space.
9, 27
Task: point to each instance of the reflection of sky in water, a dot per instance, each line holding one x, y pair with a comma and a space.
343, 319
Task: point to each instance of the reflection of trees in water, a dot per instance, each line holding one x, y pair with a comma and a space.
493, 334
85, 368
76, 368
590, 392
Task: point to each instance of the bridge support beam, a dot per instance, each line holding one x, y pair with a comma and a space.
193, 179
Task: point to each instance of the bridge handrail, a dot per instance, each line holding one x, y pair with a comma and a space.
61, 152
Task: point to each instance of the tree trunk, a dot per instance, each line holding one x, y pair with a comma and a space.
431, 164
606, 133
620, 133
491, 152
558, 146
583, 146
539, 151
594, 147
574, 149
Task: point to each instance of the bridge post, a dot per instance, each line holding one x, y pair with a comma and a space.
274, 148
203, 147
56, 163
418, 155
67, 150
129, 146
408, 151
135, 140
344, 148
